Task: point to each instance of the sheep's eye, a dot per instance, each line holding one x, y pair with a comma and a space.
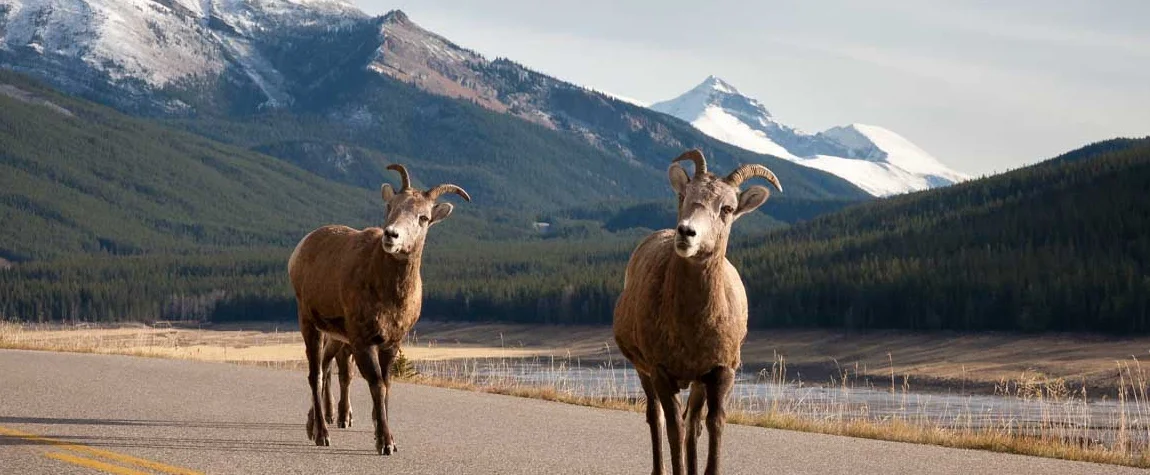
424, 220
726, 210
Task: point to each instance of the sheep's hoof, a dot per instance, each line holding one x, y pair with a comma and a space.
330, 419
322, 441
387, 449
345, 423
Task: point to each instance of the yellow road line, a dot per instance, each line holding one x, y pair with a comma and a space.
105, 454
93, 464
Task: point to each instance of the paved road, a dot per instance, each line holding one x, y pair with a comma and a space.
68, 413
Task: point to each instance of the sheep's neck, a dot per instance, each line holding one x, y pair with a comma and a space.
397, 280
695, 286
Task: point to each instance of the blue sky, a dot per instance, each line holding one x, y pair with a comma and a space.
983, 86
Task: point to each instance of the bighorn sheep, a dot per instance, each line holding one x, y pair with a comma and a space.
363, 288
682, 316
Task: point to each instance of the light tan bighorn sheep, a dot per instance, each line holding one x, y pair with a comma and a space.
682, 316
363, 288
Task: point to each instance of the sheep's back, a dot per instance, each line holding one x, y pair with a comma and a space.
321, 264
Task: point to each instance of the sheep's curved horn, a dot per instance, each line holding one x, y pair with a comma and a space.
440, 190
741, 174
403, 175
696, 156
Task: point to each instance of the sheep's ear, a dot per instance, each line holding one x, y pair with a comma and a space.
440, 212
678, 178
752, 198
387, 192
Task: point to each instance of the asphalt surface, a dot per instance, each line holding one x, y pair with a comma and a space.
68, 413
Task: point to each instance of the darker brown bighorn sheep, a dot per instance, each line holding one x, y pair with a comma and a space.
682, 316
363, 288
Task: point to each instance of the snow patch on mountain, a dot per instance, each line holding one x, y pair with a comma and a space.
258, 69
875, 159
876, 178
714, 121
896, 150
31, 98
157, 42
629, 100
160, 42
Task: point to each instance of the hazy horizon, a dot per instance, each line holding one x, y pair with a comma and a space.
984, 88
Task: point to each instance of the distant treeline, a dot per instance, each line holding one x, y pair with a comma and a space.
543, 281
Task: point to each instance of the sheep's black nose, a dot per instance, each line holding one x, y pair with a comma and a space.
685, 231
391, 233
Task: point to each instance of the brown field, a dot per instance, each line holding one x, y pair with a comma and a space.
974, 363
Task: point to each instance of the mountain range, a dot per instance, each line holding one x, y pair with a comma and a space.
875, 159
322, 85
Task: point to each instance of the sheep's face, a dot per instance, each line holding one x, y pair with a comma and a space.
708, 206
409, 215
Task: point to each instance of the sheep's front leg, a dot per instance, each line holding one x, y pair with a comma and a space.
343, 360
655, 421
367, 360
694, 425
317, 426
719, 382
668, 391
386, 358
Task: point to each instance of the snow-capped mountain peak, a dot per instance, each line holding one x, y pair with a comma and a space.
718, 109
717, 84
873, 158
715, 92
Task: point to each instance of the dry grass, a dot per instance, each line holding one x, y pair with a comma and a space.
1051, 420
255, 343
1048, 416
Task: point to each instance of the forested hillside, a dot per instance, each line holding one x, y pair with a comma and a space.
79, 178
1063, 245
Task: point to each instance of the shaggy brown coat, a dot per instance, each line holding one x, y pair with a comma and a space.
363, 289
678, 317
682, 317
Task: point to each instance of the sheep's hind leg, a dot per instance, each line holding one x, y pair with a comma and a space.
343, 360
317, 426
694, 425
655, 421
719, 382
329, 352
668, 391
